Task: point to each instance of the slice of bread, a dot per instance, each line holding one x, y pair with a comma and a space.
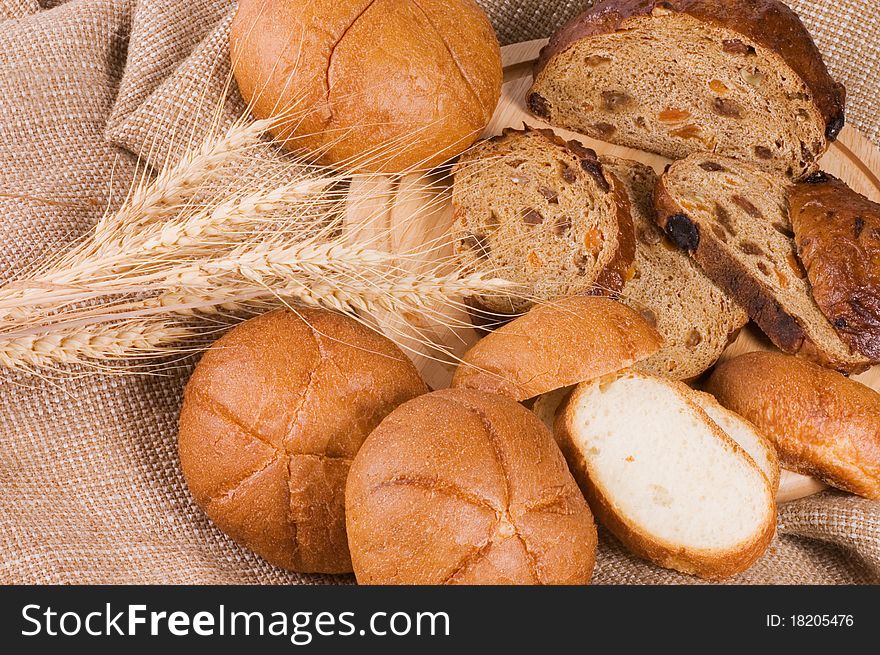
740, 78
547, 404
757, 446
666, 480
696, 319
541, 212
734, 219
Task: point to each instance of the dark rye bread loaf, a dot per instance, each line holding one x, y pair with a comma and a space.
696, 319
837, 232
541, 212
739, 77
734, 219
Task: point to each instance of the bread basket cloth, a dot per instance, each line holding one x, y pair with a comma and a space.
90, 487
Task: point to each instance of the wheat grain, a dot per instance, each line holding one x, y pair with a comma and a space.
95, 343
174, 184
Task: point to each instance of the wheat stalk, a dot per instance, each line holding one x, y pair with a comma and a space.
93, 343
188, 244
176, 183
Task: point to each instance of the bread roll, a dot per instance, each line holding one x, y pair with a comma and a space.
462, 487
664, 478
557, 344
824, 424
837, 232
379, 85
272, 417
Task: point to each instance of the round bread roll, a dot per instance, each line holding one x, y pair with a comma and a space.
272, 417
555, 345
462, 487
379, 85
824, 425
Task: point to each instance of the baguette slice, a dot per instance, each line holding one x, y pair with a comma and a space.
666, 480
696, 319
541, 212
757, 446
740, 78
734, 219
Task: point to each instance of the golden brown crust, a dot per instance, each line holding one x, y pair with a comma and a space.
837, 232
419, 78
462, 487
783, 329
823, 424
770, 23
708, 565
555, 345
271, 419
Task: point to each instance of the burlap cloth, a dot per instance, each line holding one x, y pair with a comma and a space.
90, 489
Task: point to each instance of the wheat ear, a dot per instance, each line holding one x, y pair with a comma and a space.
92, 343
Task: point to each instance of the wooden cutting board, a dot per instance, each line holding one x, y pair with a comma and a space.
406, 213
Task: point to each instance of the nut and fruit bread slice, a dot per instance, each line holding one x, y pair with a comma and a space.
758, 446
739, 77
837, 232
666, 480
734, 219
696, 319
541, 212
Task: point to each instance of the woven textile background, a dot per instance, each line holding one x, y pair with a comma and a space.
90, 489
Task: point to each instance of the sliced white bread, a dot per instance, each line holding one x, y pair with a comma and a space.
743, 432
546, 405
666, 480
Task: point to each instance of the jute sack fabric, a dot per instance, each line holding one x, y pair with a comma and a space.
90, 487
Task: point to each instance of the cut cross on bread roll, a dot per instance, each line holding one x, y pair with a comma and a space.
740, 78
734, 219
541, 212
666, 480
696, 319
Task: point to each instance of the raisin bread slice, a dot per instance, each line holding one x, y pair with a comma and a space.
734, 219
739, 77
837, 232
541, 212
696, 319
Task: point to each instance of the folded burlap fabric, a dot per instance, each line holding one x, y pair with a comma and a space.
90, 488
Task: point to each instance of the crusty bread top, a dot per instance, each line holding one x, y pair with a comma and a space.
823, 424
272, 416
770, 23
462, 487
555, 345
334, 70
837, 232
